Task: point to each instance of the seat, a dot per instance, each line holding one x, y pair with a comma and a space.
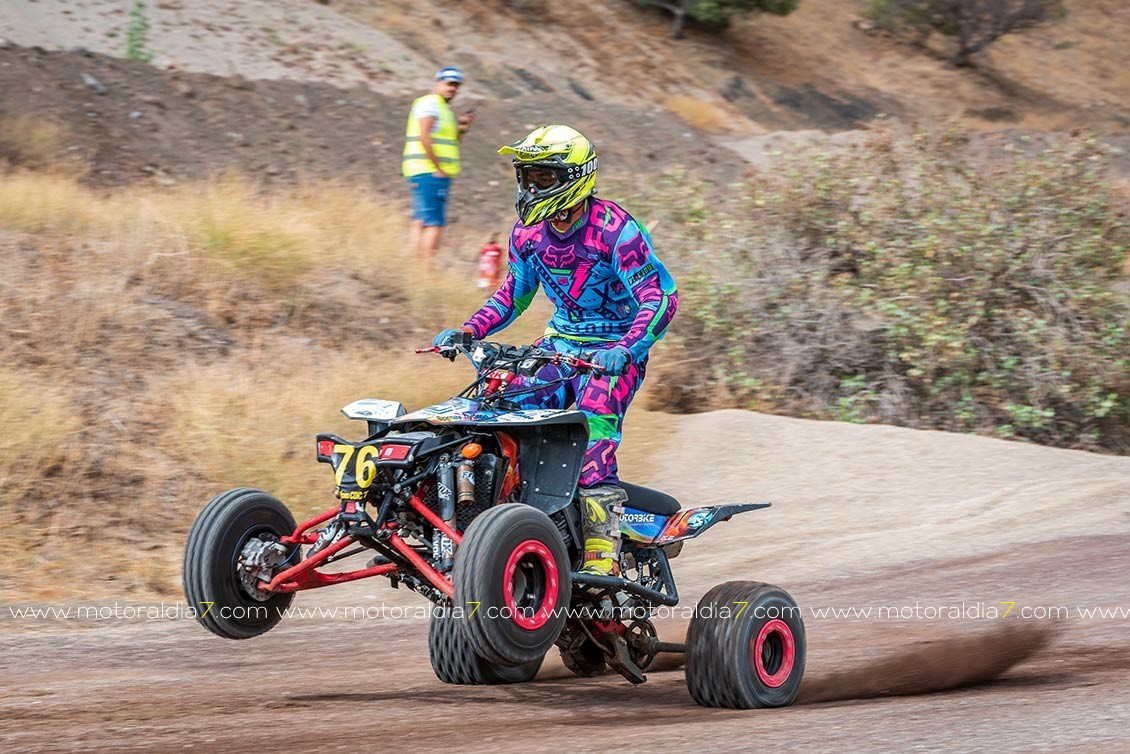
650, 501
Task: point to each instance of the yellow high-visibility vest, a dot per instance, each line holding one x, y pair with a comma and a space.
445, 141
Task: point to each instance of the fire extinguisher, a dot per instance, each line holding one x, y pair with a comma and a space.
490, 264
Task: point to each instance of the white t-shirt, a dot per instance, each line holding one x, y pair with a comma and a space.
428, 107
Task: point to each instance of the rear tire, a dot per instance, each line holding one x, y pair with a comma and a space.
512, 580
212, 583
454, 660
745, 657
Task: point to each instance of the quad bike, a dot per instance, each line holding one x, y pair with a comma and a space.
472, 503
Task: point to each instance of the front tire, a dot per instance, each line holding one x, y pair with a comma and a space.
745, 647
455, 661
212, 582
513, 581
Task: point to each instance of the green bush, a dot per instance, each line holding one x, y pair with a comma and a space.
903, 282
973, 25
715, 15
137, 34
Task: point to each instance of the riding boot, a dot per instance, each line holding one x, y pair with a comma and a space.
600, 520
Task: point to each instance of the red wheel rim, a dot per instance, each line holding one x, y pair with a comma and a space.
532, 566
774, 653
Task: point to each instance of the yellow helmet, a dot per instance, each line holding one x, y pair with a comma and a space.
556, 169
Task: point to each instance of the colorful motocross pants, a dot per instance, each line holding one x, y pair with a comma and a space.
604, 400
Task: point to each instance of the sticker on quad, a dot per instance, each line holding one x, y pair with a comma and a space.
656, 529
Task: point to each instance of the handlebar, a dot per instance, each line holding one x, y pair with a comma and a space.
581, 364
512, 354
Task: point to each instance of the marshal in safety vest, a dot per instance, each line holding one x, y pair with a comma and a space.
445, 140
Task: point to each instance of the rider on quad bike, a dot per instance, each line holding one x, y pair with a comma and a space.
470, 502
614, 299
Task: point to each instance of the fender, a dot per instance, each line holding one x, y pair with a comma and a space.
690, 523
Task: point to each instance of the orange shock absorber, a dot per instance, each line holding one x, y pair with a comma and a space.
509, 449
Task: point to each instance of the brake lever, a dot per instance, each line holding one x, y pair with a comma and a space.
447, 352
579, 364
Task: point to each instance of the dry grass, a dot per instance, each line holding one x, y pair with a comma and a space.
703, 115
227, 224
29, 142
38, 442
163, 450
42, 466
48, 204
251, 419
162, 345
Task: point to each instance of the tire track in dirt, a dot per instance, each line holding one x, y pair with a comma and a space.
932, 666
923, 667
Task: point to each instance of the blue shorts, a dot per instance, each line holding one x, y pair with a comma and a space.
429, 198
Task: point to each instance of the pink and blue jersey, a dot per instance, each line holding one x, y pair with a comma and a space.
603, 278
608, 289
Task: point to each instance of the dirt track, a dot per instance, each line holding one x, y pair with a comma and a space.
1051, 530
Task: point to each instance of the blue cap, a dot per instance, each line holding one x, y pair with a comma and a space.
449, 74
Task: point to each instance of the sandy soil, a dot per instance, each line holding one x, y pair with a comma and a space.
295, 39
864, 516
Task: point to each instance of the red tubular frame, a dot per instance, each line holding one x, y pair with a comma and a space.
437, 579
304, 576
435, 520
300, 537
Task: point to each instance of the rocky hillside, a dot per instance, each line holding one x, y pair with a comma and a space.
292, 89
815, 68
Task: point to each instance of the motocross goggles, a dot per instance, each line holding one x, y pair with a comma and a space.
545, 178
